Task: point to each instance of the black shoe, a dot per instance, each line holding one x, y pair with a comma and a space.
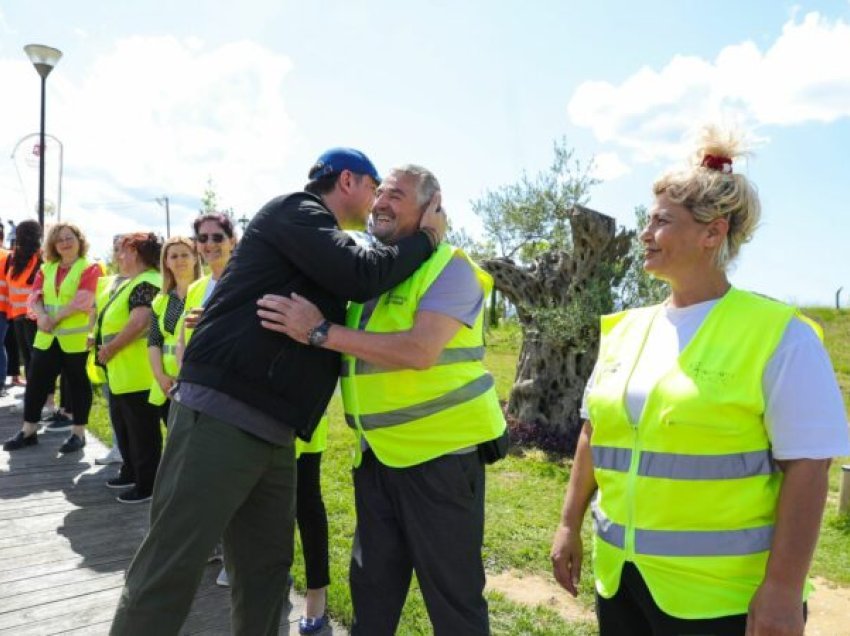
19, 440
57, 422
132, 496
120, 482
73, 444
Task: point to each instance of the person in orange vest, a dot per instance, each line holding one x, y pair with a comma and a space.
4, 315
711, 420
19, 272
62, 297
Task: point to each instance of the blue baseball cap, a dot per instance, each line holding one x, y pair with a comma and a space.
336, 160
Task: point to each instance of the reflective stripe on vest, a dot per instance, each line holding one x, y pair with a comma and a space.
129, 370
411, 416
447, 356
168, 347
681, 466
73, 330
685, 543
689, 492
19, 288
460, 395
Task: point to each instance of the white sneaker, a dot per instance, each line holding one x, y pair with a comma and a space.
222, 580
112, 457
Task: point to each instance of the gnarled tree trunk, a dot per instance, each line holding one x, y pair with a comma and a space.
555, 362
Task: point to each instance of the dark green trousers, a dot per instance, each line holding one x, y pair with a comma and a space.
214, 481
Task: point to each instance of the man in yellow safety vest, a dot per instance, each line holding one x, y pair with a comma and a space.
424, 412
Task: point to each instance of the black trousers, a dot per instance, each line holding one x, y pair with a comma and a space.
312, 520
429, 519
44, 367
633, 612
136, 424
13, 360
25, 330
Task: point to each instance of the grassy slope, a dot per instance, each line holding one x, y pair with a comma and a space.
523, 503
831, 556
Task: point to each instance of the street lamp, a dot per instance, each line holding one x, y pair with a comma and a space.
243, 222
44, 58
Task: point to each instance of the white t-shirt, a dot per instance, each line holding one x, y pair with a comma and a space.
804, 411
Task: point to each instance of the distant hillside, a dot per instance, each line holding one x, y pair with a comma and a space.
836, 335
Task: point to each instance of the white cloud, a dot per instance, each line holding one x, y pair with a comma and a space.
608, 166
154, 116
802, 77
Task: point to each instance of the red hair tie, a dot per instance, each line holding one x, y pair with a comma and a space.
721, 164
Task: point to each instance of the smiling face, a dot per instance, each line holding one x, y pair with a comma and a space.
677, 246
67, 244
396, 212
218, 247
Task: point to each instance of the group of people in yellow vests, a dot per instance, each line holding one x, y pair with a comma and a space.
711, 418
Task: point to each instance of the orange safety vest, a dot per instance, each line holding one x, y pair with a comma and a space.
20, 286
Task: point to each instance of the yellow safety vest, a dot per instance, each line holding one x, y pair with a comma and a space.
194, 298
318, 443
129, 370
73, 331
689, 492
169, 349
106, 287
409, 417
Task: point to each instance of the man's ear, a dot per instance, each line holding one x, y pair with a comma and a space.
345, 181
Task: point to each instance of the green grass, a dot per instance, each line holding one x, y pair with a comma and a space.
831, 560
524, 494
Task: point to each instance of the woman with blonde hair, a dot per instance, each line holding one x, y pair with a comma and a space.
711, 420
61, 299
179, 267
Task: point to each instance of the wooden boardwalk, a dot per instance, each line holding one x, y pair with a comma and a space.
65, 543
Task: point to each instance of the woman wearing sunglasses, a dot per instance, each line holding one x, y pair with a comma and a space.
215, 240
179, 267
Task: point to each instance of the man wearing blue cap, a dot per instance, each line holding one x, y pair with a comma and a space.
243, 394
426, 417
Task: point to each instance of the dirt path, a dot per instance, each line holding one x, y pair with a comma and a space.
829, 608
829, 605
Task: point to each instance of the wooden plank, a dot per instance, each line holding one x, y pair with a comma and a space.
65, 544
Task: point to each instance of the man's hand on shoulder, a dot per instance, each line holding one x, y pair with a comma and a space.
434, 220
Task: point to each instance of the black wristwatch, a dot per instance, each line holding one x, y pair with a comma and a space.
319, 334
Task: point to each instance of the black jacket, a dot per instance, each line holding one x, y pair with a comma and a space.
293, 244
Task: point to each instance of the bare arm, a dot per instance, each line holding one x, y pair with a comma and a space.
567, 546
777, 607
416, 348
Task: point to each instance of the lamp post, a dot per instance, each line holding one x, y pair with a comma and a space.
44, 58
243, 222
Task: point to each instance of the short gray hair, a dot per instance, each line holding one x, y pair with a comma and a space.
426, 183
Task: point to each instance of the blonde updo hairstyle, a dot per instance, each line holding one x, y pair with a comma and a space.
710, 189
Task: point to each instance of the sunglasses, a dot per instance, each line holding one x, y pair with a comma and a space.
216, 237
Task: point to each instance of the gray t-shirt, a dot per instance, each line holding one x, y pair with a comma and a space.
455, 293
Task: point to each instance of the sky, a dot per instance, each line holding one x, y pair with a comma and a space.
152, 99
